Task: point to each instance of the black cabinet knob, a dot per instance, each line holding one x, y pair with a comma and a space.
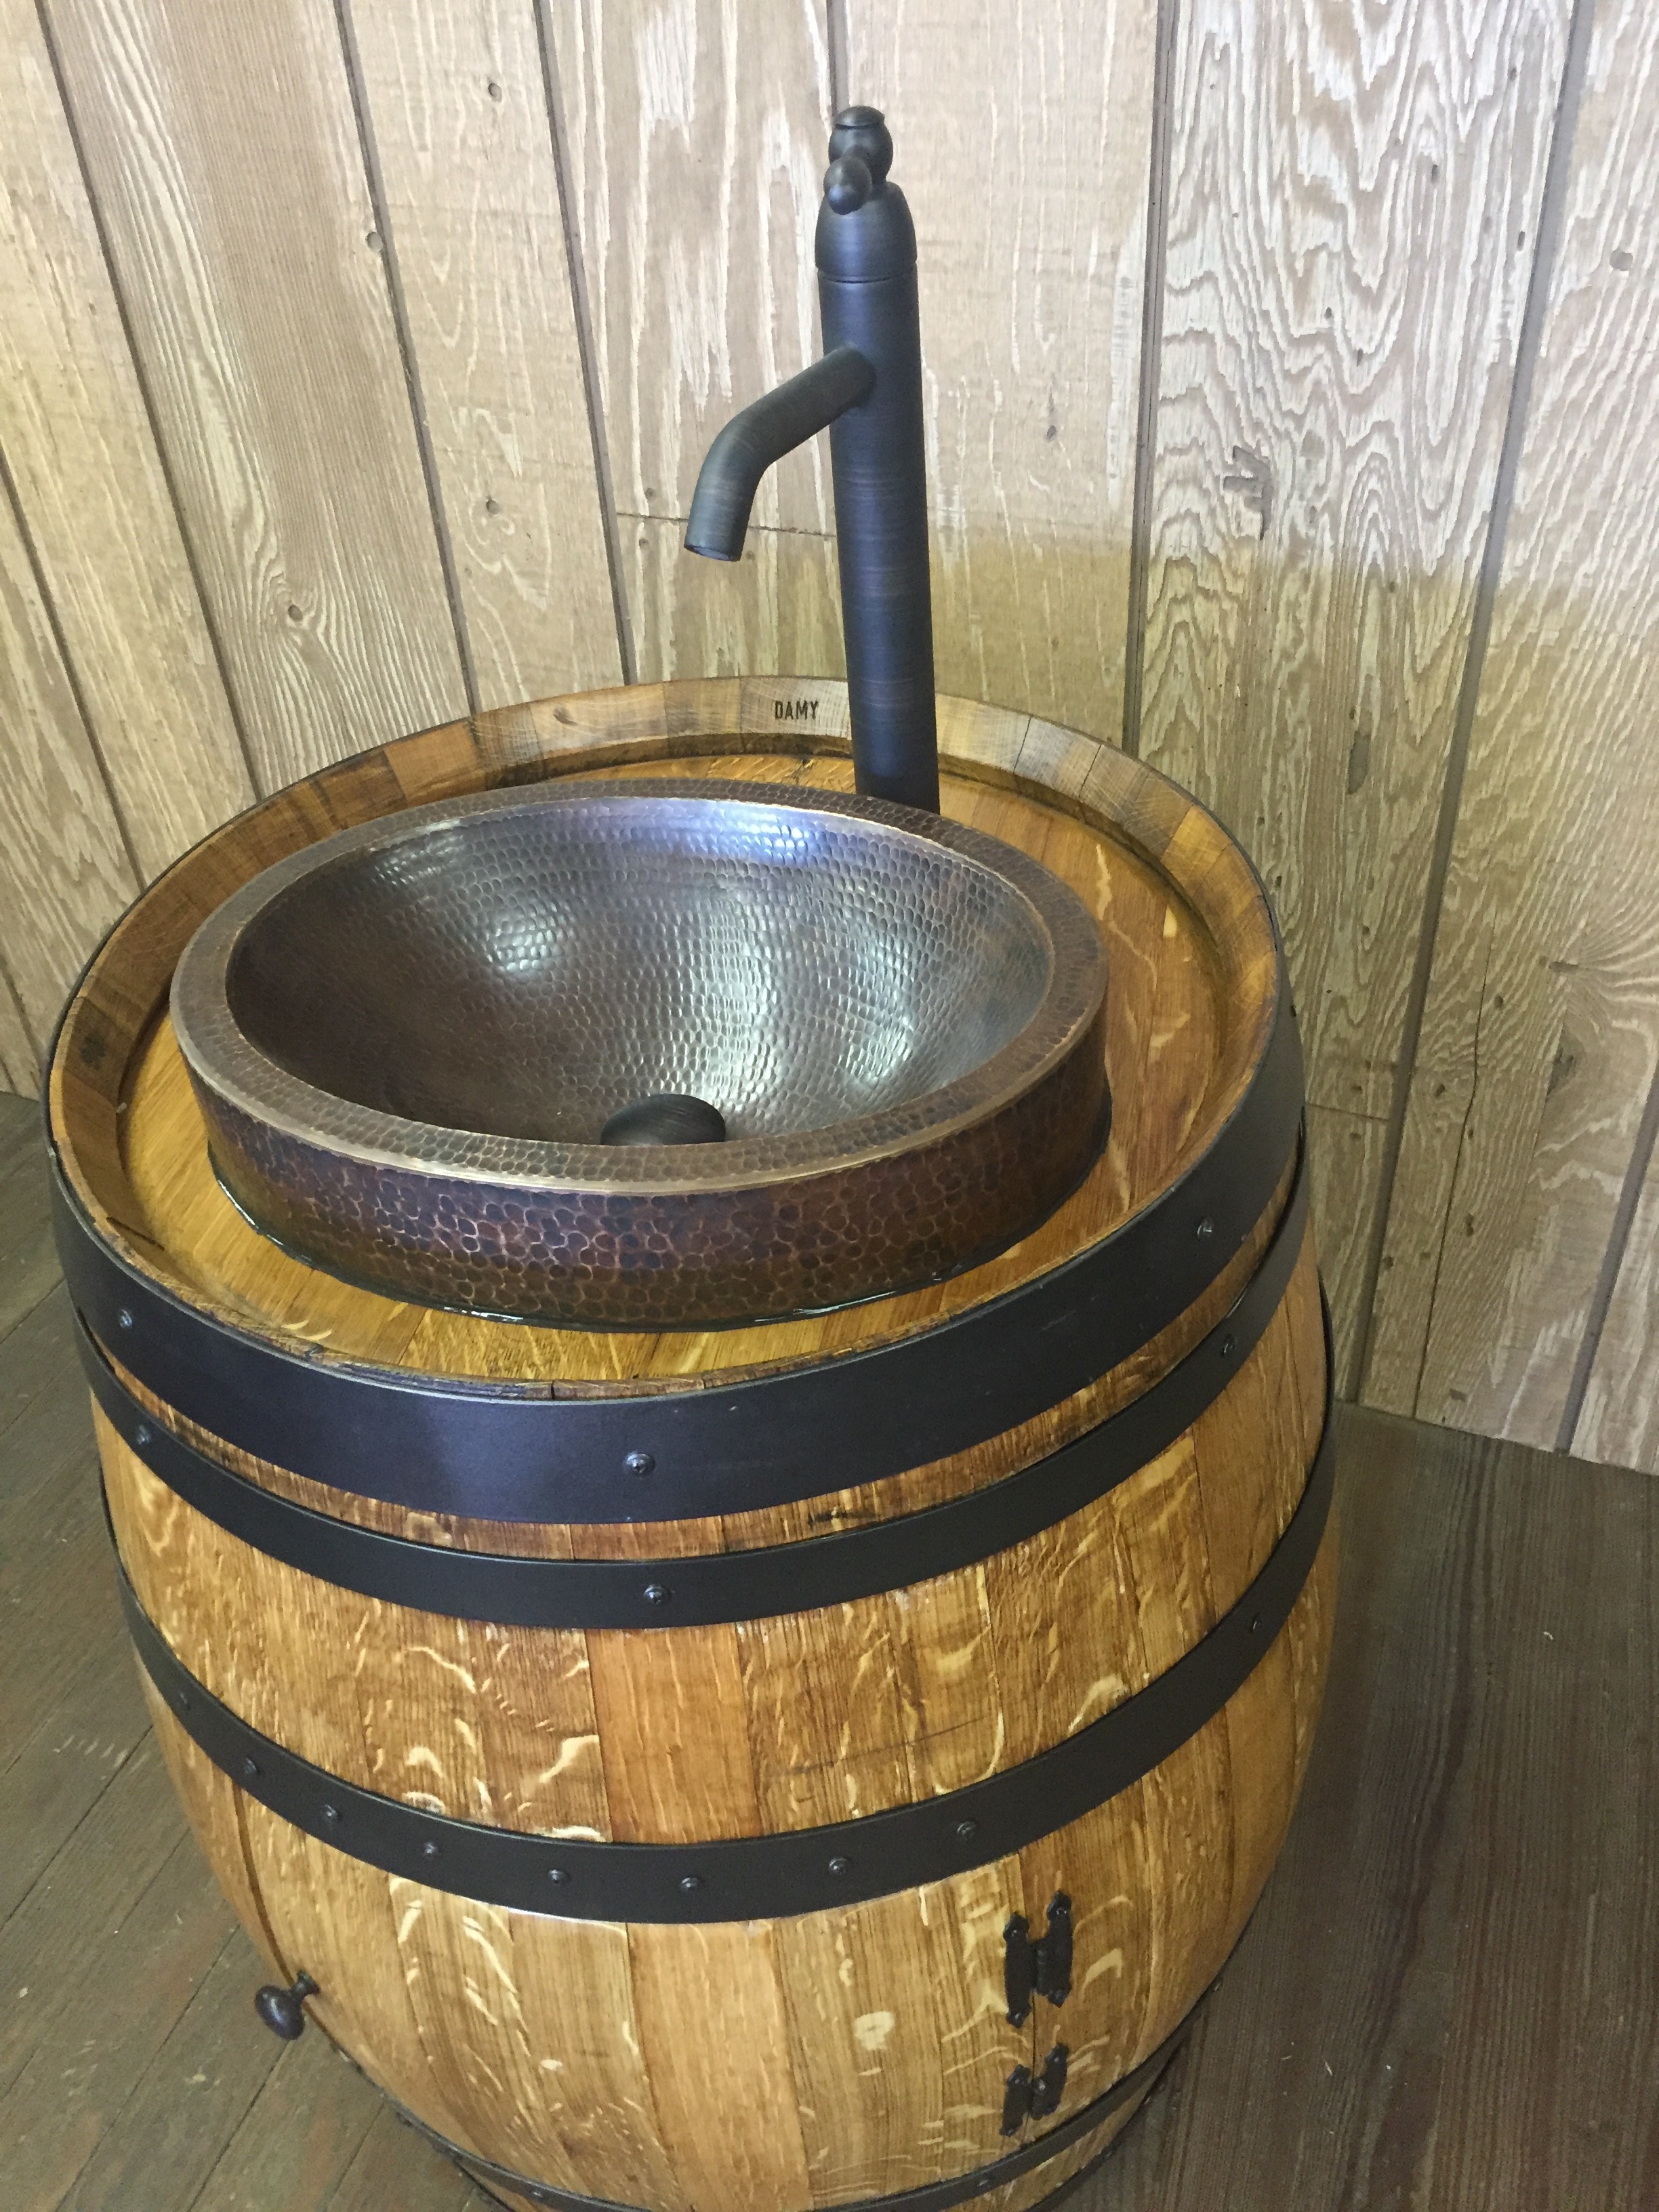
283, 2011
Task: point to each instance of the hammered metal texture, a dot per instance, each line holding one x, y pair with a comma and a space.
406, 1039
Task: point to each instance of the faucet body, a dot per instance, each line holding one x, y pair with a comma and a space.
867, 391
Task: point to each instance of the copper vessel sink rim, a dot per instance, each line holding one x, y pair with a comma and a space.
222, 1057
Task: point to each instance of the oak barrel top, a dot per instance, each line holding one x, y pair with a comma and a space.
1190, 940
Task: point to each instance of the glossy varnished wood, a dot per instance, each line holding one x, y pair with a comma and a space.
894, 2046
907, 1491
792, 1722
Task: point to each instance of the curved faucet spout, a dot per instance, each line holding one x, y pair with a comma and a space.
867, 392
763, 434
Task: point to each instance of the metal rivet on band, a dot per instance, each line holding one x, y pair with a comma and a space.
638, 1463
250, 1768
330, 1813
840, 1866
688, 1881
1229, 1345
1255, 1623
140, 1435
966, 1828
123, 1319
657, 1593
558, 1874
1206, 1227
428, 1849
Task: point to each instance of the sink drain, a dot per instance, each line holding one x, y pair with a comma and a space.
667, 1117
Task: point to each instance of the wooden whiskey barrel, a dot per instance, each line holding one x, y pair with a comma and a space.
791, 1765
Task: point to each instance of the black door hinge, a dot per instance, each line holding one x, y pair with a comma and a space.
1042, 1968
1029, 2096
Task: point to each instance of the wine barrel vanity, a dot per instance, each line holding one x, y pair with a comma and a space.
812, 1761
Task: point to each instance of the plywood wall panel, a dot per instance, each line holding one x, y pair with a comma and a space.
19, 1066
696, 131
779, 608
1023, 134
1352, 201
86, 475
457, 105
1345, 1153
224, 150
1618, 1419
65, 870
1541, 1027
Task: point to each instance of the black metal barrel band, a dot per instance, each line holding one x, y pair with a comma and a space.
726, 1586
931, 2197
514, 1452
779, 1875
935, 2196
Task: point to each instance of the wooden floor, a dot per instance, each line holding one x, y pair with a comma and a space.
1448, 2001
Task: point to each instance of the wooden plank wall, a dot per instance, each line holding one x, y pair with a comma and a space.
1290, 377
1521, 1236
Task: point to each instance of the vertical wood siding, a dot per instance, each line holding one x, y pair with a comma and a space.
93, 488
455, 101
1540, 1033
225, 150
66, 867
1024, 130
696, 131
358, 358
1343, 288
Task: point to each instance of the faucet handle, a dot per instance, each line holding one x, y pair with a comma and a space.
862, 132
847, 184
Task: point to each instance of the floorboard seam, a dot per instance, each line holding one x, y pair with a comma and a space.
155, 2055
32, 1735
235, 2135
13, 1326
67, 1839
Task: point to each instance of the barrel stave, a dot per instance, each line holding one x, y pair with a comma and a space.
1163, 1877
164, 1115
748, 1728
598, 2056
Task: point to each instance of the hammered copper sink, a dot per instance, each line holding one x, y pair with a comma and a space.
407, 1039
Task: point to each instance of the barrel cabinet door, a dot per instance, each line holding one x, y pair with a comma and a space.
1155, 1886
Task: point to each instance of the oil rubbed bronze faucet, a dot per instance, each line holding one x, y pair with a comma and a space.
866, 392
